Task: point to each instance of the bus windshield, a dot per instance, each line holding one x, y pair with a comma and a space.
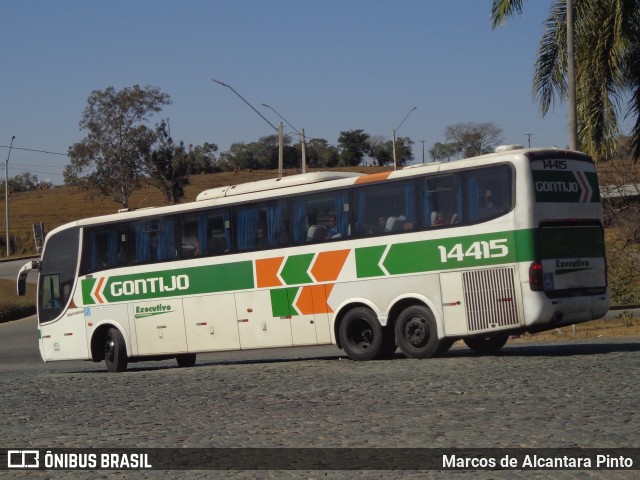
57, 274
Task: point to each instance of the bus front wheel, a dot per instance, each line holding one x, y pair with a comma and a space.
486, 345
115, 351
360, 334
417, 332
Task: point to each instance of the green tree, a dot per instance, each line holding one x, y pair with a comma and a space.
110, 159
472, 139
353, 145
607, 51
382, 151
22, 183
320, 154
443, 151
167, 166
202, 158
260, 155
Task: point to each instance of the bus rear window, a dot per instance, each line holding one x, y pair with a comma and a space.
574, 241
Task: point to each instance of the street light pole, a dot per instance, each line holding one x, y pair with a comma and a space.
395, 162
6, 195
279, 130
300, 133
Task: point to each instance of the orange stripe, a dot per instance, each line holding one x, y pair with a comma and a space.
328, 265
97, 290
313, 299
267, 272
373, 177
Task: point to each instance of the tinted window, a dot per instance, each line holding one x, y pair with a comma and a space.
321, 218
385, 208
570, 241
205, 234
263, 225
57, 273
489, 193
442, 201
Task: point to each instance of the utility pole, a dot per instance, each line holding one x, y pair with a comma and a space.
300, 133
529, 135
279, 130
422, 149
395, 130
6, 196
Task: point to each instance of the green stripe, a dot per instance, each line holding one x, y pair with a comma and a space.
282, 302
295, 269
367, 261
87, 286
172, 283
447, 253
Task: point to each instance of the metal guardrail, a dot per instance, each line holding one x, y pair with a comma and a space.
623, 307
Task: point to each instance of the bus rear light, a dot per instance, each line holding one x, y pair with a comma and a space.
535, 276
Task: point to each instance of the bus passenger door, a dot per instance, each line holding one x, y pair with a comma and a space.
159, 326
257, 326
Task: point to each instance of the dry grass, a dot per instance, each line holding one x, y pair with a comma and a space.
12, 306
624, 325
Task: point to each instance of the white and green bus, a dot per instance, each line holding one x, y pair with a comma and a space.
476, 249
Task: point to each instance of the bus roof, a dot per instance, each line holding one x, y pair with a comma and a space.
314, 181
273, 183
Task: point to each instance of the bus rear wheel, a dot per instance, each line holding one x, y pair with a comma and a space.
360, 334
186, 360
115, 351
486, 345
417, 332
388, 345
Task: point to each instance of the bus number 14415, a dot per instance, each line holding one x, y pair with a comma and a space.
478, 250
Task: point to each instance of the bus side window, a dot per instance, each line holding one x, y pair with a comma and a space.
321, 218
488, 192
442, 201
385, 208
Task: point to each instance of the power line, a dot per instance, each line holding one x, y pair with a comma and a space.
37, 171
34, 150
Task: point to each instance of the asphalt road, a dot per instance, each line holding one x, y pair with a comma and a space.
556, 395
9, 269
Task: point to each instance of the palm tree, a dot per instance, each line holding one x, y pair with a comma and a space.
607, 44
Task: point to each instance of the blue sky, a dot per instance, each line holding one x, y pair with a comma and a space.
326, 65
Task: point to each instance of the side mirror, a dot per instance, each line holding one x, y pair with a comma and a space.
22, 285
22, 276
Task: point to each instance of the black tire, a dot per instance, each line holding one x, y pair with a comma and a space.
186, 360
444, 346
115, 351
388, 346
360, 334
486, 345
417, 332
